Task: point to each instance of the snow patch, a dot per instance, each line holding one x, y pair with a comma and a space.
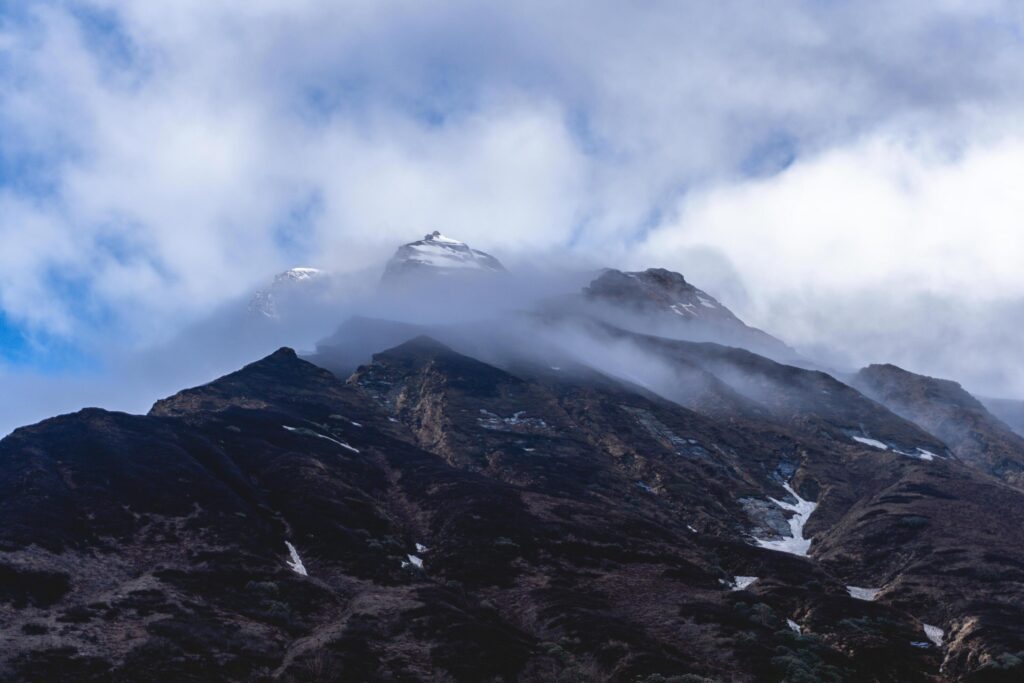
687, 309
438, 237
796, 544
706, 302
442, 255
420, 548
415, 561
868, 594
874, 443
741, 582
310, 432
934, 633
295, 564
793, 626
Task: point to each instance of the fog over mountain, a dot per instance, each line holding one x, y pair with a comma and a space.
839, 174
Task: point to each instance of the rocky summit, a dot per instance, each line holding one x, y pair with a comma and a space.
601, 501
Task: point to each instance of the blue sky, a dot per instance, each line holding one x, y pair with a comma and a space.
830, 169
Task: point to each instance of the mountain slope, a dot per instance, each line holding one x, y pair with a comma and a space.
662, 302
946, 410
436, 516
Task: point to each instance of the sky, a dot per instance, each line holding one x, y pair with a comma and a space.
846, 175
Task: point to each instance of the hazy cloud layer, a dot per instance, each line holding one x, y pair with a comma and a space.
842, 173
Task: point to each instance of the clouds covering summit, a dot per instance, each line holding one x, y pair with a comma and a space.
841, 173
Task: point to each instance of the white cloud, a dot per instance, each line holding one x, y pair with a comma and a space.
179, 138
878, 251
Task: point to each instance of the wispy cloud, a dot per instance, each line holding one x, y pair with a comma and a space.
159, 158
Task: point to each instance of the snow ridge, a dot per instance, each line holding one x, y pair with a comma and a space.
796, 544
295, 564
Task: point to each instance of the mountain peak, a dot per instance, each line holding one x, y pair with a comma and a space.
438, 254
265, 301
655, 288
676, 308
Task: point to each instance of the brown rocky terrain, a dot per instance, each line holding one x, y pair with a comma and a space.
454, 520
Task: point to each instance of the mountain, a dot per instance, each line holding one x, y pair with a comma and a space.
627, 483
945, 409
437, 255
266, 302
664, 301
434, 516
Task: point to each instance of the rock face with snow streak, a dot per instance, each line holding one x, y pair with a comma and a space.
948, 411
438, 256
672, 304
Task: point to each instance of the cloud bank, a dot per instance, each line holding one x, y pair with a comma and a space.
839, 173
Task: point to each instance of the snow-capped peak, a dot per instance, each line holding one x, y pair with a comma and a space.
438, 254
299, 273
264, 302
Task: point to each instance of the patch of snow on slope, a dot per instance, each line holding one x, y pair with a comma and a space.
802, 510
438, 237
414, 561
868, 594
925, 454
295, 564
443, 256
310, 432
705, 302
874, 443
934, 633
741, 582
687, 309
795, 627
420, 548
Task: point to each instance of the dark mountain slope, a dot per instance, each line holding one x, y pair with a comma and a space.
809, 401
946, 410
663, 301
457, 521
880, 515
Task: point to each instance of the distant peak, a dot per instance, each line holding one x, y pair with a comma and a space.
283, 353
264, 301
421, 344
439, 255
